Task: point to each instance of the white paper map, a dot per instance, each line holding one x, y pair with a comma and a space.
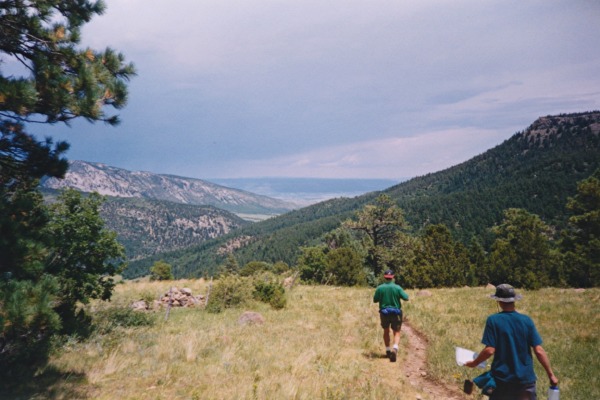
463, 356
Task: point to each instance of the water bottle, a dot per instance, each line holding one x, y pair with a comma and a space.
553, 393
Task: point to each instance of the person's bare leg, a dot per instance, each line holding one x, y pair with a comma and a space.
396, 339
386, 338
394, 351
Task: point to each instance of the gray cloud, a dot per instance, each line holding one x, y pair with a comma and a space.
338, 88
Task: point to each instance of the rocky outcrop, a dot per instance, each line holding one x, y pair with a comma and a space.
147, 227
174, 297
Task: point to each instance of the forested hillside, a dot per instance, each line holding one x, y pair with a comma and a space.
536, 170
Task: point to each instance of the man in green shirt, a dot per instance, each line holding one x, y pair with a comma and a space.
388, 295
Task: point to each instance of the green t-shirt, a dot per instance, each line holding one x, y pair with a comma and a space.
388, 294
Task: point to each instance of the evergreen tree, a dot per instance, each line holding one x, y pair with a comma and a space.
345, 266
63, 81
380, 222
477, 258
521, 254
312, 264
581, 242
254, 267
60, 82
439, 261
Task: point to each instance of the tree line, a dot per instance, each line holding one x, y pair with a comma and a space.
525, 252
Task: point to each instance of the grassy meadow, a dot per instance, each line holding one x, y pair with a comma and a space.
326, 344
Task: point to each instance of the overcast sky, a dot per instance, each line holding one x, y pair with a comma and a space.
337, 88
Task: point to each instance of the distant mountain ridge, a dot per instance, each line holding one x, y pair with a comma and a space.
111, 181
536, 169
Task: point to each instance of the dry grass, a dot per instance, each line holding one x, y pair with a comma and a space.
568, 321
326, 344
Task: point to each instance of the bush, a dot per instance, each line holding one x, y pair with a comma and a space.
269, 290
108, 320
255, 267
161, 271
229, 291
345, 266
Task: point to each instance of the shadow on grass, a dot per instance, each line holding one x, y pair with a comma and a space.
373, 355
51, 384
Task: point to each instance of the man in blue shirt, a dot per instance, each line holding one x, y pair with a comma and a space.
388, 295
510, 336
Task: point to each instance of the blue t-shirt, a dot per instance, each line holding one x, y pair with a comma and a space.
512, 335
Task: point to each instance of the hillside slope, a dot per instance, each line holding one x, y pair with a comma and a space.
537, 169
148, 227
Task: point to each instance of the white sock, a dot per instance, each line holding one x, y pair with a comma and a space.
388, 348
396, 347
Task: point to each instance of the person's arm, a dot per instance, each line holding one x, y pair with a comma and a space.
403, 295
542, 357
486, 353
376, 296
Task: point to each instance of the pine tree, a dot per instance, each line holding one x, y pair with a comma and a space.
581, 242
380, 222
522, 255
60, 82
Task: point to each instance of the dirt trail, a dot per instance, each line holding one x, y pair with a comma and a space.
415, 369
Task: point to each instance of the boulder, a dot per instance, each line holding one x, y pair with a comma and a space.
251, 318
139, 305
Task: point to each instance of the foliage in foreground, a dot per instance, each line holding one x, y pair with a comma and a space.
76, 266
51, 258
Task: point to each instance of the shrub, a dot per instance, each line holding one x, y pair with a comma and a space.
255, 267
229, 291
346, 267
269, 290
161, 271
108, 320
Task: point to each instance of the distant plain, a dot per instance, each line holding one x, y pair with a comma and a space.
306, 191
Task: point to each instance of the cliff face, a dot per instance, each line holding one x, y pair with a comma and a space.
546, 129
